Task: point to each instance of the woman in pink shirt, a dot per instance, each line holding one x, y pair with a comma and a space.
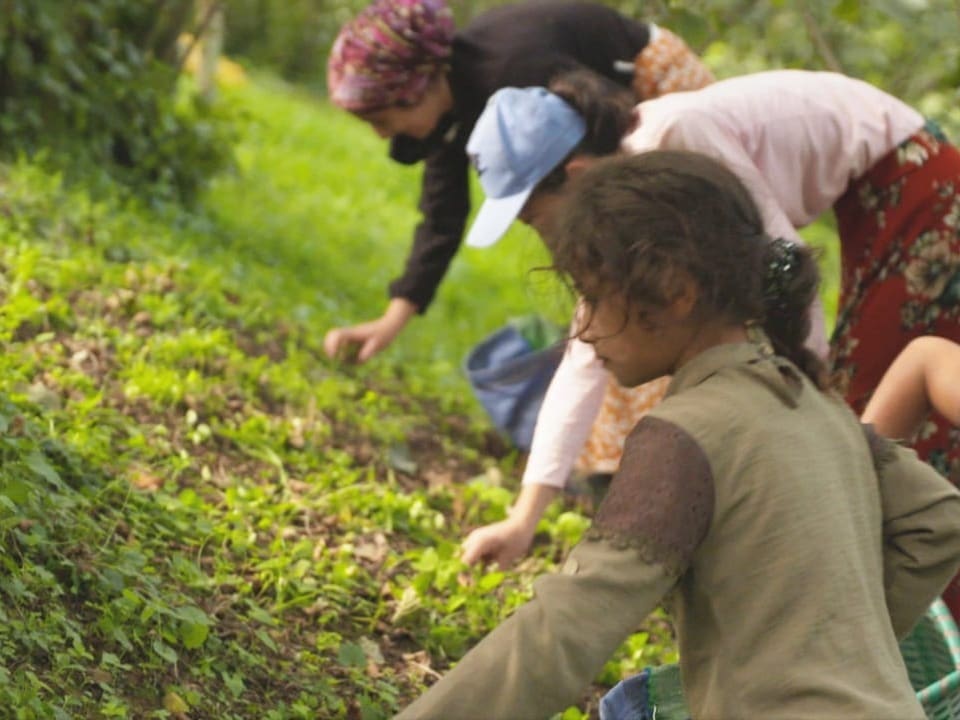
803, 143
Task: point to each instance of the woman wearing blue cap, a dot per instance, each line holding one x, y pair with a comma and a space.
802, 143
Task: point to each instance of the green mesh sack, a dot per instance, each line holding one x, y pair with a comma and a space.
931, 653
666, 693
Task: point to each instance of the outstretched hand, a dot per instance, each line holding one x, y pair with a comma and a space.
503, 543
500, 543
359, 343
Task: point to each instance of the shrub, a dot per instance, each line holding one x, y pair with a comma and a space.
96, 82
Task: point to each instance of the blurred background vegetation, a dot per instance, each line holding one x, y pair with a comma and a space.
96, 80
907, 47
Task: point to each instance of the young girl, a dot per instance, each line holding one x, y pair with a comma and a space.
795, 544
802, 142
400, 67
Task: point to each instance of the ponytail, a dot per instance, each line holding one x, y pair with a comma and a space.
606, 109
605, 106
790, 286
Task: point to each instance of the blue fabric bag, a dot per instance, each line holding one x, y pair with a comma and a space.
654, 694
510, 371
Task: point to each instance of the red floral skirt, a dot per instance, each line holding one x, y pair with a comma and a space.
899, 228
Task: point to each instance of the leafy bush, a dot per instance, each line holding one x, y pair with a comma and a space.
96, 81
291, 37
906, 47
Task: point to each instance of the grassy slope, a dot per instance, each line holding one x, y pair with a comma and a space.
200, 516
320, 201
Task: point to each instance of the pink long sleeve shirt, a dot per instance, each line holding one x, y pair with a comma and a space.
796, 139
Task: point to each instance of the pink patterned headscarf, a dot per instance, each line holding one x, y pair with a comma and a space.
388, 54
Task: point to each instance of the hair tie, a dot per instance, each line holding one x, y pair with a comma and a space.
783, 264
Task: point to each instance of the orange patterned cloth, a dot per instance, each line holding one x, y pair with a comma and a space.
665, 65
622, 408
668, 65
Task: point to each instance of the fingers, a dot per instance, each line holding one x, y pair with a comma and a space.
496, 544
358, 343
370, 348
483, 545
348, 344
338, 342
331, 342
474, 548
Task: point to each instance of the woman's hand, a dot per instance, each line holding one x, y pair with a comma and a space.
359, 343
504, 542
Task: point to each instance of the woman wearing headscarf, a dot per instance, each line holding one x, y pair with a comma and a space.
401, 66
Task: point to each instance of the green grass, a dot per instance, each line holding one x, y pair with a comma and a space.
319, 200
201, 516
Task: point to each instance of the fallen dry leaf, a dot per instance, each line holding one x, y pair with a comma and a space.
143, 480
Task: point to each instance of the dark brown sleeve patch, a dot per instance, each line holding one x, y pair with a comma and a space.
661, 499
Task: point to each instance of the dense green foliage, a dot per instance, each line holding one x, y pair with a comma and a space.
94, 83
291, 37
907, 47
200, 515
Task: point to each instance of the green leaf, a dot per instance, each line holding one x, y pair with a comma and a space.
14, 492
847, 10
351, 655
165, 651
260, 615
265, 638
39, 464
489, 581
193, 635
234, 683
192, 614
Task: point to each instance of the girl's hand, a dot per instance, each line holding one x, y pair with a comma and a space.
501, 543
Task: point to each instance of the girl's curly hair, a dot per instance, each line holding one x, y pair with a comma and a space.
639, 224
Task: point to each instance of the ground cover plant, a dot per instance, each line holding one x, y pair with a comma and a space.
202, 516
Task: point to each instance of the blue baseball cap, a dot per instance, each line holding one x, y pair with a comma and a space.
521, 135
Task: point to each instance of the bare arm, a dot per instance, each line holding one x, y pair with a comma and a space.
563, 424
925, 376
506, 541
